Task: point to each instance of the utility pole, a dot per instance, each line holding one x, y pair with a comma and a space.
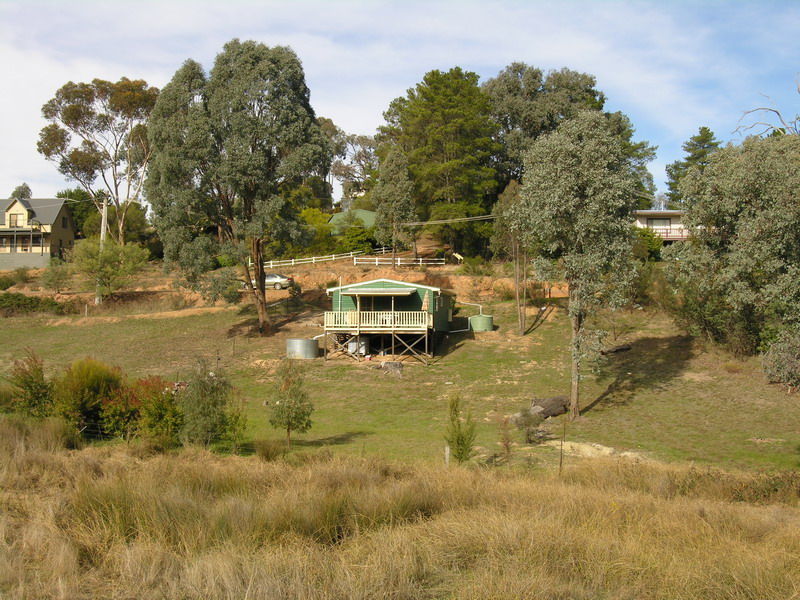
98, 298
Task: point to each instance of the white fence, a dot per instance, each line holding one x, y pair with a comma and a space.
312, 260
398, 261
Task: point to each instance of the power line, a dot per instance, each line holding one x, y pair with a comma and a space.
445, 221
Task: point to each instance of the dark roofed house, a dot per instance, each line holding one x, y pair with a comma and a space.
34, 230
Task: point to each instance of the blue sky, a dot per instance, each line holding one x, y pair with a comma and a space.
672, 67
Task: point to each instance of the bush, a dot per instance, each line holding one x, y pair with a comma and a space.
13, 303
81, 391
460, 435
56, 276
269, 450
204, 403
21, 275
6, 281
291, 409
120, 412
781, 362
476, 266
160, 417
32, 392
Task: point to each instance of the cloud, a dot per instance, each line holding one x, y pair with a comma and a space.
670, 67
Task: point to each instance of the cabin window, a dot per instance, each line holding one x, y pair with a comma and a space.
63, 222
14, 221
659, 222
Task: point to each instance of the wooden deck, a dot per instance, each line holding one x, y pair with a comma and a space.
379, 321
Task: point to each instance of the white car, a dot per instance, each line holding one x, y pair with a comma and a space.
276, 281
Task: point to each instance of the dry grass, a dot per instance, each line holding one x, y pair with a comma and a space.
121, 523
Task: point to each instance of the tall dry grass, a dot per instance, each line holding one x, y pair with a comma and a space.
124, 523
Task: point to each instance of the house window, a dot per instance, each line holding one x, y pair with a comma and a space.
14, 221
63, 222
659, 222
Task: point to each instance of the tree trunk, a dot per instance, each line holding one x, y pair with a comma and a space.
288, 438
576, 320
258, 291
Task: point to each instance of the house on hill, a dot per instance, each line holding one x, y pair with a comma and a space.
34, 230
666, 224
387, 317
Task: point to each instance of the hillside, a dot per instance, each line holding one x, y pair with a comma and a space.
669, 398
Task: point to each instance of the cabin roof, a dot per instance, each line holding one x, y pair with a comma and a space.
391, 287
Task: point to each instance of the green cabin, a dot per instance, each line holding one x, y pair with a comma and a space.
383, 316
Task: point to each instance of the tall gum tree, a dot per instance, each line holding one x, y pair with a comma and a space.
229, 149
97, 137
579, 196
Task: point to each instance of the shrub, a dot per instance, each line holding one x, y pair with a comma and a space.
110, 270
81, 390
119, 412
6, 281
32, 392
269, 450
295, 296
204, 403
56, 276
6, 397
12, 303
476, 266
291, 409
21, 275
781, 362
160, 417
235, 423
460, 435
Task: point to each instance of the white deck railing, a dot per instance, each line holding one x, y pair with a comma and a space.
671, 233
378, 320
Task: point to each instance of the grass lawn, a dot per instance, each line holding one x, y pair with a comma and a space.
669, 398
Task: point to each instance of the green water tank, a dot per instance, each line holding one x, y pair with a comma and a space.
481, 323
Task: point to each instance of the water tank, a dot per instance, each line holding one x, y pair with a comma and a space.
481, 323
302, 348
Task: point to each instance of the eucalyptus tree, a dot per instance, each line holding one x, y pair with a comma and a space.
738, 281
528, 102
578, 197
229, 149
393, 200
97, 137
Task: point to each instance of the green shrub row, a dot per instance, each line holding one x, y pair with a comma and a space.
13, 304
98, 401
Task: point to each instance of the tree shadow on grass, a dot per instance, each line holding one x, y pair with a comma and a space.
332, 440
651, 363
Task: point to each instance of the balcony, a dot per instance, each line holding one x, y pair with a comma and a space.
379, 321
671, 234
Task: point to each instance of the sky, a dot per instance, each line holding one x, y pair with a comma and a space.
672, 67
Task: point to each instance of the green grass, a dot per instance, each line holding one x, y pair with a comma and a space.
669, 398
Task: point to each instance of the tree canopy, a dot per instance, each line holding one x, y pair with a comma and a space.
527, 102
738, 281
97, 137
445, 128
578, 196
393, 199
699, 149
229, 149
